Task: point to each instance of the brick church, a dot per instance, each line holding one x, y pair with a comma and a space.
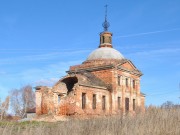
105, 83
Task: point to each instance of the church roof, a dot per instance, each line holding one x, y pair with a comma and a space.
105, 53
83, 78
90, 79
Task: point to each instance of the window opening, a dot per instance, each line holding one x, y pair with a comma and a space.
126, 82
94, 101
103, 39
133, 83
119, 80
134, 104
103, 102
127, 104
83, 100
119, 103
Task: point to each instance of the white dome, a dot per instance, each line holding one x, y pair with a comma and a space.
105, 53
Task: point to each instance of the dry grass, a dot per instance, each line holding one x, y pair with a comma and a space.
155, 121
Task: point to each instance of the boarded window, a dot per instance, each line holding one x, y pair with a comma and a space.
119, 103
103, 102
126, 82
133, 83
83, 100
127, 104
134, 104
94, 101
119, 80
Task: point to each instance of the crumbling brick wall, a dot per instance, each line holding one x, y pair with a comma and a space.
44, 101
67, 105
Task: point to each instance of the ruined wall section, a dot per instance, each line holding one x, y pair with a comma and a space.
38, 95
44, 100
67, 105
47, 102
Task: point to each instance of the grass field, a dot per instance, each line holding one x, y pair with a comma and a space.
155, 121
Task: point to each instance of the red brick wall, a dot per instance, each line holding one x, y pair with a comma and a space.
89, 101
105, 75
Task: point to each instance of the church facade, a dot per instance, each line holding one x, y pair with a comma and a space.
105, 83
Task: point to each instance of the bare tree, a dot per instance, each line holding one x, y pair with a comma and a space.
4, 106
167, 105
22, 100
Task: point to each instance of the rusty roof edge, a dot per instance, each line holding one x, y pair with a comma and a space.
92, 68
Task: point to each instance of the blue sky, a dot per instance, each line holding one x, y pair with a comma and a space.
40, 39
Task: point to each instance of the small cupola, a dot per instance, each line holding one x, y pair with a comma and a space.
105, 39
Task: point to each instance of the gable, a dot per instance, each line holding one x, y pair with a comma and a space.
128, 66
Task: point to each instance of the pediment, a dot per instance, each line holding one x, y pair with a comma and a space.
128, 66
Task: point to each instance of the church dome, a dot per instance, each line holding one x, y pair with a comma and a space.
105, 53
105, 50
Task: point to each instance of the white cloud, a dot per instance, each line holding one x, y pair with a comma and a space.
147, 33
157, 52
2, 72
46, 74
46, 82
42, 57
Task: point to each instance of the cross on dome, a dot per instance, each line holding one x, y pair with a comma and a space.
106, 23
